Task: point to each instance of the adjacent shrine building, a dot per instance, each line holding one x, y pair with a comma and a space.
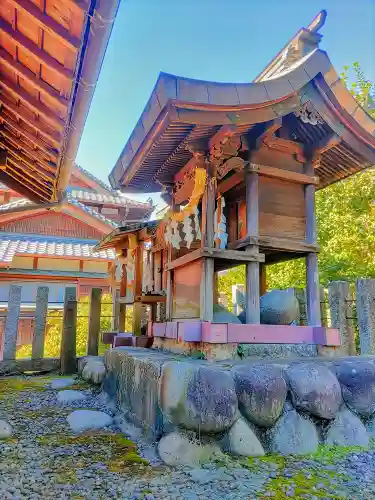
239, 165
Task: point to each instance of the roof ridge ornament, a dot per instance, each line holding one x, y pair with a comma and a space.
302, 44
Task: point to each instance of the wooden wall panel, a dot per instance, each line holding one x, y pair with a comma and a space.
186, 291
52, 224
281, 210
266, 156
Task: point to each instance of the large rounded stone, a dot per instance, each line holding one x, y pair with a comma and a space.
292, 434
181, 448
357, 379
241, 440
347, 430
314, 388
198, 397
277, 307
94, 372
261, 392
222, 315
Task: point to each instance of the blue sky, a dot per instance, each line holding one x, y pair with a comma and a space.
220, 40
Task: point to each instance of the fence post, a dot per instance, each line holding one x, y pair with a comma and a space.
300, 295
40, 322
339, 300
366, 314
11, 324
94, 322
69, 332
237, 300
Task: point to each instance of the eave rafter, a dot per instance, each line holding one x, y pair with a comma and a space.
47, 23
38, 154
25, 43
39, 108
52, 136
20, 70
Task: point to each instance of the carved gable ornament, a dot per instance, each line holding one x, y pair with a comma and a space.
308, 114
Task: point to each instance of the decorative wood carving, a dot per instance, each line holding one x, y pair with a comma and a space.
183, 188
221, 235
308, 114
285, 146
235, 163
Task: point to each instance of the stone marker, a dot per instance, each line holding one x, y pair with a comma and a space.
261, 392
277, 307
314, 388
84, 420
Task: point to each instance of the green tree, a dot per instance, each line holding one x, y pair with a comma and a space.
345, 219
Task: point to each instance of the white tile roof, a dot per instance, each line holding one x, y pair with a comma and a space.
12, 244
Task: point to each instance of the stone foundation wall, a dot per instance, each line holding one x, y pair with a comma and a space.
199, 409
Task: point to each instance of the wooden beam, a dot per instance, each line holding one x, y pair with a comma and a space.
36, 155
249, 255
285, 175
48, 114
185, 259
21, 41
52, 135
275, 243
207, 290
22, 71
3, 159
47, 23
69, 332
18, 366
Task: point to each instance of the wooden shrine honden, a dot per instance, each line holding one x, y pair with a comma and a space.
238, 165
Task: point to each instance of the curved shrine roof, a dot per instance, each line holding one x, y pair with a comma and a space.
299, 87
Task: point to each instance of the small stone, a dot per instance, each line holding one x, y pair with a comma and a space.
5, 429
68, 396
62, 383
94, 372
84, 420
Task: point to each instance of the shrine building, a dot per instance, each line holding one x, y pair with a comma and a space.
238, 165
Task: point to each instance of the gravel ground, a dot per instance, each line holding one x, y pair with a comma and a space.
44, 460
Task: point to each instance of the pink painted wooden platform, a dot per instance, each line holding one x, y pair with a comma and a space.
228, 333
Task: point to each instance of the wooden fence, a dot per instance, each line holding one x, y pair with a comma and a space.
67, 361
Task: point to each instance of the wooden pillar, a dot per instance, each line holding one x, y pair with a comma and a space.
41, 309
312, 275
168, 305
157, 272
216, 288
208, 240
11, 324
69, 332
137, 316
122, 318
252, 229
115, 310
94, 322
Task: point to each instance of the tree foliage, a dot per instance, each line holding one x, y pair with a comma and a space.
345, 220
